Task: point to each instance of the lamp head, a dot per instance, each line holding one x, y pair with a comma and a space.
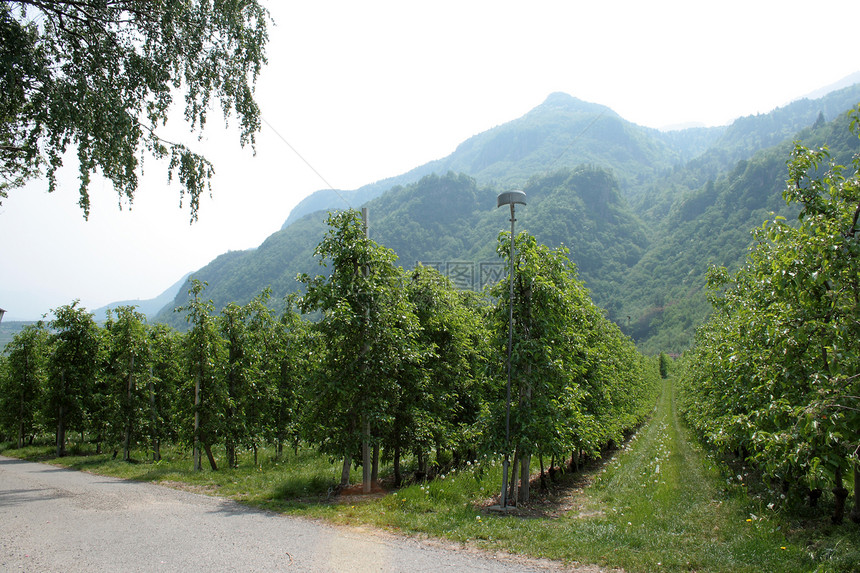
511, 198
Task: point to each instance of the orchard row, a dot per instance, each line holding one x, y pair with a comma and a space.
371, 358
775, 374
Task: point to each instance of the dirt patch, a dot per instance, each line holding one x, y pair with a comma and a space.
563, 497
355, 493
192, 488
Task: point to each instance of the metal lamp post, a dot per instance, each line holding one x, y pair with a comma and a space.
509, 198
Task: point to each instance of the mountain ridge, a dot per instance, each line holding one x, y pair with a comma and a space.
623, 242
471, 156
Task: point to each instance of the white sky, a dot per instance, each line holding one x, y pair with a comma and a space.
369, 90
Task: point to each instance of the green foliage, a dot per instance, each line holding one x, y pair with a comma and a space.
254, 357
773, 375
440, 397
127, 367
665, 365
577, 382
400, 360
286, 359
203, 389
644, 213
367, 332
162, 422
73, 368
100, 76
22, 381
240, 373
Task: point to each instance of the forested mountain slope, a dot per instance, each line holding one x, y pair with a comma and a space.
566, 132
561, 132
644, 213
663, 293
448, 221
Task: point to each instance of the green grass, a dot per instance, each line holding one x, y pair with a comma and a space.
659, 504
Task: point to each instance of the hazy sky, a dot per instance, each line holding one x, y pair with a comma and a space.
369, 90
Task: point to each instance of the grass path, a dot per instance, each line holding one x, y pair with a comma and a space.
669, 509
658, 505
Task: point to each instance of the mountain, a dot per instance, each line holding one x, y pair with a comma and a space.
643, 212
450, 222
562, 131
663, 292
566, 131
149, 307
845, 82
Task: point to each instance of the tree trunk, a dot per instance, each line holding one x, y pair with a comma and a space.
209, 455
398, 478
344, 472
21, 408
374, 471
855, 512
230, 451
126, 444
841, 494
61, 432
525, 458
230, 439
156, 443
421, 473
61, 420
543, 485
525, 475
196, 450
515, 486
365, 458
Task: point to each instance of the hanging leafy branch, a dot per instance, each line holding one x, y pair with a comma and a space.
101, 77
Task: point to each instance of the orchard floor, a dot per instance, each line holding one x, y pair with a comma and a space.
659, 503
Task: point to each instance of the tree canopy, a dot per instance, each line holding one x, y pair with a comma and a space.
773, 376
100, 76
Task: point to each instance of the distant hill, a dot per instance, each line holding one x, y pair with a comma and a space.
711, 225
8, 330
845, 82
643, 212
449, 220
149, 307
564, 131
561, 132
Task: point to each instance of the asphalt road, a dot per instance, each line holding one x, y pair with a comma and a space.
53, 519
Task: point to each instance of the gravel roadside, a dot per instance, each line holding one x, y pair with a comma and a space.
54, 519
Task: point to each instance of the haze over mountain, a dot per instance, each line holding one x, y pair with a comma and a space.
644, 212
562, 131
149, 307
